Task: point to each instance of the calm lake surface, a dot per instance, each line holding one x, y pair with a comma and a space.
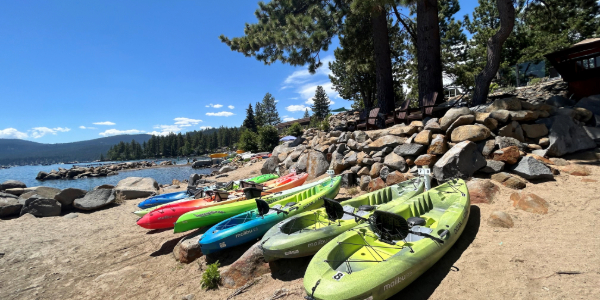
162, 175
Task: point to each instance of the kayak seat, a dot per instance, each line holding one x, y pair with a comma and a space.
367, 207
361, 213
348, 209
411, 238
289, 204
278, 206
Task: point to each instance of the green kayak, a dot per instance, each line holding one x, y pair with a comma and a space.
306, 233
212, 215
378, 259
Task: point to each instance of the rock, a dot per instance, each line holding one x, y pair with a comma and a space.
559, 101
567, 137
349, 179
188, 297
512, 103
490, 123
47, 192
95, 199
530, 168
68, 195
359, 136
509, 181
105, 187
188, 248
452, 115
41, 207
71, 216
12, 184
250, 265
394, 178
513, 130
403, 130
340, 148
226, 169
375, 169
137, 187
352, 144
544, 142
40, 176
559, 161
423, 138
433, 125
509, 155
409, 149
368, 161
316, 164
337, 163
438, 146
7, 195
523, 115
364, 182
461, 161
593, 133
493, 166
344, 137
535, 130
384, 172
576, 170
363, 171
283, 148
270, 165
501, 116
395, 162
487, 147
472, 133
462, 120
425, 160
541, 159
500, 219
387, 141
350, 159
192, 179
376, 184
482, 190
281, 156
530, 203
9, 207
504, 142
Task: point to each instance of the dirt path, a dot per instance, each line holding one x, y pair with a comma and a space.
104, 255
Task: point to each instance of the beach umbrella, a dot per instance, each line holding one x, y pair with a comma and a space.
341, 109
287, 138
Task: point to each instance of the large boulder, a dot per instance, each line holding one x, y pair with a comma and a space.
137, 187
501, 115
452, 115
12, 184
409, 149
524, 115
512, 103
193, 178
188, 248
95, 199
514, 130
47, 192
387, 141
270, 165
438, 146
593, 133
559, 101
509, 181
394, 178
509, 155
472, 133
250, 265
462, 160
533, 131
68, 195
530, 168
316, 164
9, 206
462, 120
395, 162
364, 182
375, 169
41, 207
359, 136
493, 166
283, 148
376, 184
226, 169
567, 137
337, 163
482, 191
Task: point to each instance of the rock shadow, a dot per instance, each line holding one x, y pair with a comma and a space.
167, 247
230, 255
155, 231
424, 286
290, 268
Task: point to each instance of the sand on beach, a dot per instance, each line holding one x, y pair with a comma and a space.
105, 255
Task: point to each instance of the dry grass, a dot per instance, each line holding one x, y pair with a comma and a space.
352, 191
119, 198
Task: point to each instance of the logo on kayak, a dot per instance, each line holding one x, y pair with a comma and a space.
222, 245
460, 224
397, 280
245, 232
318, 243
292, 252
209, 213
165, 217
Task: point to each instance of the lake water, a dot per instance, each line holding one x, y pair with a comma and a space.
162, 175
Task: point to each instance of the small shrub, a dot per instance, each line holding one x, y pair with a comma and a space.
268, 138
295, 130
325, 124
248, 141
494, 87
211, 278
352, 191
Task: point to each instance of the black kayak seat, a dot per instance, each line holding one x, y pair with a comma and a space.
367, 207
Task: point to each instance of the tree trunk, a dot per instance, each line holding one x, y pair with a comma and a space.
429, 57
383, 61
494, 47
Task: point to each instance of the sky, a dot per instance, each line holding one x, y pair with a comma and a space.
80, 70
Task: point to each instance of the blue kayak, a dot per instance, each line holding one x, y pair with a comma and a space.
253, 224
163, 199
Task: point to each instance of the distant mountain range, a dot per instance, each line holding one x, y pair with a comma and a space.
21, 152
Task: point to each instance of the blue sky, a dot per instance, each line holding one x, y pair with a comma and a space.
79, 70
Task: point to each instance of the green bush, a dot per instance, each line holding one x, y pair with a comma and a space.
268, 138
494, 87
325, 124
248, 141
212, 277
295, 130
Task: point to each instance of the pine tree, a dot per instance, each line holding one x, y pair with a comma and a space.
306, 115
269, 107
259, 113
321, 103
250, 122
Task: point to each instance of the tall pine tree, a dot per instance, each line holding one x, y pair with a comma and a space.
321, 103
269, 107
306, 115
259, 113
250, 121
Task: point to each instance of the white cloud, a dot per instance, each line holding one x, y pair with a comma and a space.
205, 127
107, 123
302, 76
288, 118
215, 105
111, 132
38, 132
11, 133
83, 127
231, 107
186, 122
297, 108
220, 114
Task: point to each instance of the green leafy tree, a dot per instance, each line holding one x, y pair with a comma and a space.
306, 115
248, 141
250, 122
295, 130
269, 107
321, 103
268, 138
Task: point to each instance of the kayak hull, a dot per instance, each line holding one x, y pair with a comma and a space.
163, 199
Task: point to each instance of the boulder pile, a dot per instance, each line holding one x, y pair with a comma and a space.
77, 172
510, 135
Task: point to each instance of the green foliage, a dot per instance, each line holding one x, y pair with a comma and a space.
250, 121
314, 123
321, 103
535, 81
211, 278
248, 141
306, 115
269, 107
324, 125
494, 87
268, 138
295, 130
259, 114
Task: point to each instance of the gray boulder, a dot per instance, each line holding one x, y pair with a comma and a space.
512, 103
452, 115
226, 169
359, 136
9, 207
41, 207
193, 178
395, 162
493, 166
7, 195
106, 187
337, 163
95, 199
384, 172
269, 165
409, 149
503, 142
316, 164
364, 182
559, 101
137, 187
593, 133
47, 192
68, 195
12, 184
567, 137
41, 175
302, 163
462, 161
531, 168
591, 103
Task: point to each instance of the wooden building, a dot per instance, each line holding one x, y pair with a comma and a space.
579, 65
281, 127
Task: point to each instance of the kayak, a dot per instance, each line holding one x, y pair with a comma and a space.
210, 216
304, 234
218, 155
378, 259
253, 224
165, 216
236, 184
164, 198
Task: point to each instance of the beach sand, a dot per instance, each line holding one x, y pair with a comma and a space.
104, 255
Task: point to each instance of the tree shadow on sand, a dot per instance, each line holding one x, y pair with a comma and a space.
290, 268
425, 285
229, 255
